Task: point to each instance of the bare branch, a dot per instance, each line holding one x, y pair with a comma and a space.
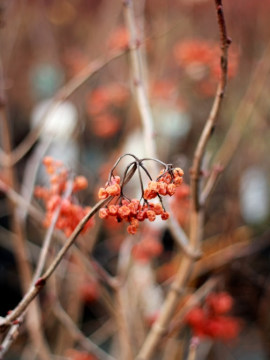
65, 92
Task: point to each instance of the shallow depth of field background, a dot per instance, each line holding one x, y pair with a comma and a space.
44, 44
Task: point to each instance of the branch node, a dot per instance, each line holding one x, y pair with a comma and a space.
40, 282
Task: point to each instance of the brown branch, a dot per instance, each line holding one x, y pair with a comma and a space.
197, 215
211, 121
244, 112
34, 290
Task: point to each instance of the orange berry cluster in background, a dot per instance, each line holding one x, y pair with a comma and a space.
133, 211
201, 61
103, 105
70, 212
212, 320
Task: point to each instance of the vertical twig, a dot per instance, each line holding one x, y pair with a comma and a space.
196, 222
20, 249
241, 118
138, 81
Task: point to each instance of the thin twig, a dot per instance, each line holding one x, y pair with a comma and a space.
20, 249
211, 121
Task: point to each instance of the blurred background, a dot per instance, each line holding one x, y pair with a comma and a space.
87, 118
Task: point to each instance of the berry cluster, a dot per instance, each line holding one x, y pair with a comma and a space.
200, 59
104, 106
165, 185
132, 212
70, 213
212, 320
135, 210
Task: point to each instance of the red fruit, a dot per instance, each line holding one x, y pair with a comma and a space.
113, 210
165, 215
103, 213
89, 291
158, 209
230, 328
48, 161
141, 215
178, 172
171, 189
124, 211
80, 183
53, 202
149, 194
102, 193
213, 328
153, 185
162, 189
113, 190
196, 317
151, 215
132, 229
220, 303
